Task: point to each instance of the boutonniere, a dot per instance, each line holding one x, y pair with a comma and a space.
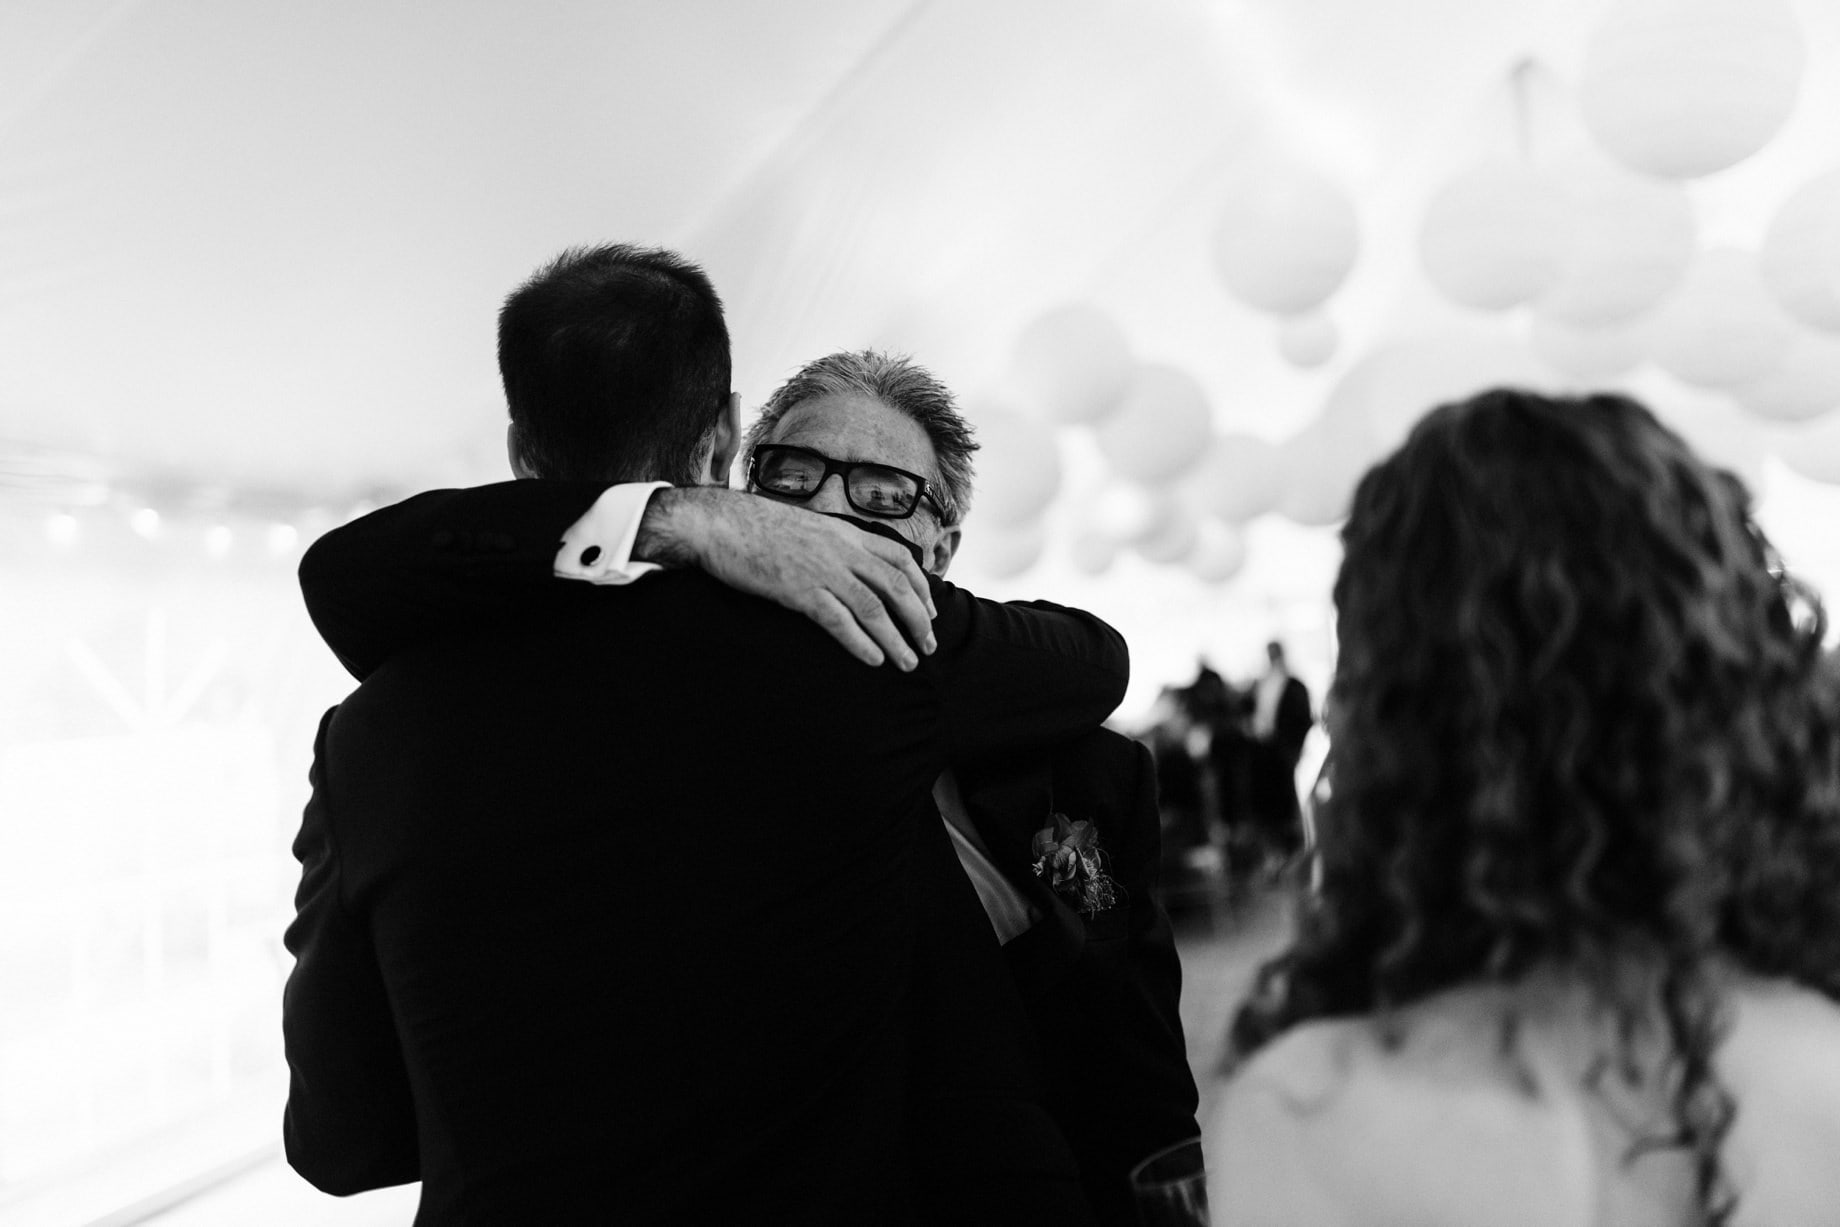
1068, 857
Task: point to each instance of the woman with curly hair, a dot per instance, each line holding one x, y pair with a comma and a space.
1574, 955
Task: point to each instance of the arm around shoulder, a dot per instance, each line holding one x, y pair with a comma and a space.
1022, 674
436, 563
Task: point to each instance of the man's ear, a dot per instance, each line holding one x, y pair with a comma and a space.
727, 441
940, 556
514, 452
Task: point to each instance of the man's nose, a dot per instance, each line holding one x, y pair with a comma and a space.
830, 496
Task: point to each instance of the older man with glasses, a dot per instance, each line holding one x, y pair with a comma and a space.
1060, 847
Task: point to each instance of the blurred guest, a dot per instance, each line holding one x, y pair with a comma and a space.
1280, 721
1180, 802
1575, 954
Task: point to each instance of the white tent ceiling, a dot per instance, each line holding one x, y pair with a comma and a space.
260, 245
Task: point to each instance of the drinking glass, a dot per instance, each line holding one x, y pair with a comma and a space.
1171, 1187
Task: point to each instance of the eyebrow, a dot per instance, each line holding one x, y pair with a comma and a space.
883, 461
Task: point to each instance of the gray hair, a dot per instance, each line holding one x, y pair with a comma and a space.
904, 386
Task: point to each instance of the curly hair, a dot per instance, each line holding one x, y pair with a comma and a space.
1580, 715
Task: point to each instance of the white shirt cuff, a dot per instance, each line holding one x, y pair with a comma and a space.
598, 547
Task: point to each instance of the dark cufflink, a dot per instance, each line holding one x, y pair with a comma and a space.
590, 555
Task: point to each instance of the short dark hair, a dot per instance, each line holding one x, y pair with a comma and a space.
616, 364
903, 385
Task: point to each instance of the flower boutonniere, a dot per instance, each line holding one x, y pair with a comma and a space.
1067, 855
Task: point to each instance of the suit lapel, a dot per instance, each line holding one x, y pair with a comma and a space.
1008, 804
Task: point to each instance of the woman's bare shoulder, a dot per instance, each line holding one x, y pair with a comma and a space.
1781, 1063
1345, 1121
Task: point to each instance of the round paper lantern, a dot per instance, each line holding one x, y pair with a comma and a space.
1173, 538
1493, 237
1239, 478
1092, 554
1813, 450
1805, 384
1308, 341
1589, 355
1018, 468
1071, 365
1001, 553
1722, 328
1286, 237
1680, 88
1718, 431
1390, 389
1800, 257
1219, 553
1124, 513
1319, 467
1162, 427
1628, 242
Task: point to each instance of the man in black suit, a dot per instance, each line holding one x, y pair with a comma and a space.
1092, 959
1280, 722
548, 960
1044, 1015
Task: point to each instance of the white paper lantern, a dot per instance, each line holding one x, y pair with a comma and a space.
1124, 513
1219, 553
1800, 257
1813, 450
1394, 386
1722, 328
1018, 468
1718, 431
1286, 238
1240, 477
1628, 242
1493, 237
1000, 553
1092, 554
1320, 465
1071, 364
1161, 429
1308, 341
1589, 355
1805, 384
1173, 538
1681, 88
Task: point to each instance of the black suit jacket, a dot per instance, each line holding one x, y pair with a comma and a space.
1101, 990
552, 963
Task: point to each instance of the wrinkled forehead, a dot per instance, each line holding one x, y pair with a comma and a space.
854, 426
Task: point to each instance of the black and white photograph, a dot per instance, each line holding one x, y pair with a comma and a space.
920, 613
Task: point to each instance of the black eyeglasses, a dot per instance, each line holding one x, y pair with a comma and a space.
878, 490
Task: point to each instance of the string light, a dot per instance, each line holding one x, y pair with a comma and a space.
68, 492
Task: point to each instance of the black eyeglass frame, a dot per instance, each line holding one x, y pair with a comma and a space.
924, 488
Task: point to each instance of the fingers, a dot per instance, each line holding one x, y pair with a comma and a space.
904, 588
867, 605
894, 603
838, 622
